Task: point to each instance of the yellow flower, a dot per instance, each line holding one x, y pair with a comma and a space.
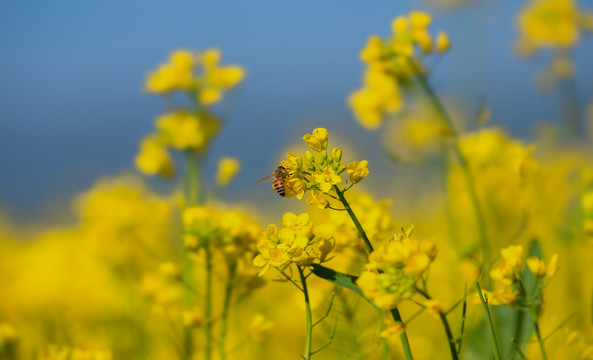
228, 168
317, 198
326, 179
552, 266
536, 266
393, 330
373, 50
443, 42
550, 23
400, 26
181, 130
357, 171
209, 96
154, 158
318, 140
210, 58
175, 75
259, 326
434, 307
226, 77
182, 59
294, 187
419, 19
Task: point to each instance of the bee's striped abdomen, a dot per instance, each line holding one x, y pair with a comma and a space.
278, 185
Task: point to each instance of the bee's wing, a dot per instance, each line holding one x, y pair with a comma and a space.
266, 179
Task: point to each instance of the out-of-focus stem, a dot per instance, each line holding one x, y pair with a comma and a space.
208, 304
225, 312
228, 290
446, 120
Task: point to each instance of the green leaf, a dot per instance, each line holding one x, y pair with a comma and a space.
344, 280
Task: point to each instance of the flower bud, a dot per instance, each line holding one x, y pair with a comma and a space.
341, 169
324, 154
309, 155
320, 159
337, 154
310, 166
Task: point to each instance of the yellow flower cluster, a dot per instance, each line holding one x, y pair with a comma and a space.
507, 276
199, 74
163, 291
231, 231
551, 24
293, 243
186, 129
319, 174
395, 268
388, 65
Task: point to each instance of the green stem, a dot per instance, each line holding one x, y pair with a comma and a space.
191, 181
208, 305
542, 348
225, 312
489, 320
446, 120
194, 179
403, 337
446, 326
394, 312
309, 334
346, 205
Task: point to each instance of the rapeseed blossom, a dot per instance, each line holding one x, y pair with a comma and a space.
395, 268
228, 167
186, 128
293, 243
391, 63
319, 175
555, 24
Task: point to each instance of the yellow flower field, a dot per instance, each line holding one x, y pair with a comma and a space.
488, 255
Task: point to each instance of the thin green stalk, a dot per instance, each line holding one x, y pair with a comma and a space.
309, 331
489, 320
208, 305
446, 120
228, 289
542, 348
403, 337
570, 107
446, 326
394, 312
192, 178
346, 205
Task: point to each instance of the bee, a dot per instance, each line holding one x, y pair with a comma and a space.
278, 175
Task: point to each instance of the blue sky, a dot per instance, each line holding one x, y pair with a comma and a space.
72, 109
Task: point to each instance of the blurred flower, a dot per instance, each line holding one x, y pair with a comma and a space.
228, 168
153, 158
551, 24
